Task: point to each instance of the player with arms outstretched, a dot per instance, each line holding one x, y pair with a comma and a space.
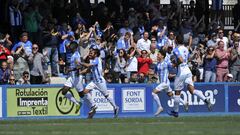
184, 76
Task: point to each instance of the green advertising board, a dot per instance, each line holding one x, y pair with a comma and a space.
39, 101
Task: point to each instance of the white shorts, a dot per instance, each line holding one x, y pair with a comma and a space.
102, 87
164, 86
75, 82
181, 80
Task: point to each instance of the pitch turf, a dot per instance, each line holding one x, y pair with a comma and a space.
221, 125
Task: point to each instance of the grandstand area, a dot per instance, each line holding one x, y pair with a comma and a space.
215, 125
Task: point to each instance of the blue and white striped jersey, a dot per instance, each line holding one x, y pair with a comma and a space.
74, 62
96, 70
162, 71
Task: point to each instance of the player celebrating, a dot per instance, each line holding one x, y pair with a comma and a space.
75, 79
162, 70
98, 82
184, 75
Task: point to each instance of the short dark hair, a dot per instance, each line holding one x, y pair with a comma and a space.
73, 45
25, 72
179, 39
163, 53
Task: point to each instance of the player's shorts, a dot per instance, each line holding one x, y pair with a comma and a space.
75, 82
164, 86
102, 87
181, 80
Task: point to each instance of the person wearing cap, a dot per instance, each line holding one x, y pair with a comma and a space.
230, 78
235, 62
213, 40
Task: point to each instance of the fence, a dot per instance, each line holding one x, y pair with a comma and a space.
134, 100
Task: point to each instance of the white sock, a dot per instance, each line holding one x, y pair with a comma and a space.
176, 103
88, 99
156, 98
71, 98
199, 94
111, 102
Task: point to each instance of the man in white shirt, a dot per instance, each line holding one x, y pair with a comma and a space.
144, 43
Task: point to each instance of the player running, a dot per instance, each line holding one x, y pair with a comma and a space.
184, 76
98, 82
75, 79
162, 70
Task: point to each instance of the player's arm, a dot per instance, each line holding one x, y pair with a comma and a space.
89, 65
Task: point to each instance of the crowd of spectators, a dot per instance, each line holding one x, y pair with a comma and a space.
128, 35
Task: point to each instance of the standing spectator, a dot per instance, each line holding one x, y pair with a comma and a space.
36, 61
24, 79
235, 62
222, 62
124, 42
120, 65
51, 43
209, 64
122, 31
143, 66
4, 52
213, 41
32, 18
236, 15
15, 19
25, 43
144, 43
4, 73
132, 63
11, 80
221, 37
6, 41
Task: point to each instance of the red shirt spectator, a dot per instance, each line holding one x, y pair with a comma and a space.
143, 63
4, 52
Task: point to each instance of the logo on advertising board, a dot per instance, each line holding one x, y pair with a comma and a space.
234, 98
0, 102
194, 100
133, 100
38, 102
101, 102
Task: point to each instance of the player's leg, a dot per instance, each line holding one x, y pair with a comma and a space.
178, 85
68, 95
88, 99
156, 98
196, 92
102, 87
171, 96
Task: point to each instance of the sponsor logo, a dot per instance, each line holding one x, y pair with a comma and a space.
194, 100
133, 99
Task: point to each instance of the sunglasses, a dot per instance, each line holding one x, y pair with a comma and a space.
12, 79
35, 47
26, 76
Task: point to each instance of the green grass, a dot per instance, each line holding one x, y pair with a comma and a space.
222, 125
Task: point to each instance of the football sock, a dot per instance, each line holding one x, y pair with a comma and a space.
176, 103
156, 98
71, 98
199, 94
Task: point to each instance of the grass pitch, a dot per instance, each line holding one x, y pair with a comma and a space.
221, 125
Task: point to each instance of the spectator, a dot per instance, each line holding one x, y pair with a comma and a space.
24, 79
4, 52
120, 66
16, 19
6, 41
236, 15
132, 62
25, 43
213, 41
124, 42
20, 62
36, 61
122, 31
11, 80
144, 43
235, 62
222, 62
221, 37
4, 73
209, 64
144, 63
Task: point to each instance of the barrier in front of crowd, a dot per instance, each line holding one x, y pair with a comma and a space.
134, 100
